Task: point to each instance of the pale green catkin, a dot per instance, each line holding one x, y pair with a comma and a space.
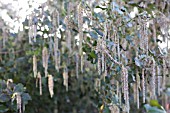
65, 78
45, 60
143, 84
35, 66
51, 85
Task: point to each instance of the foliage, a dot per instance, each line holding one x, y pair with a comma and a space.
8, 98
115, 64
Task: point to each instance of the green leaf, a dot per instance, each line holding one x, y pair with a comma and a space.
26, 97
4, 97
155, 103
151, 109
3, 108
93, 55
19, 88
93, 34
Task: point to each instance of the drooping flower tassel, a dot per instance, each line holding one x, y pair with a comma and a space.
153, 79
65, 78
19, 102
35, 66
30, 28
45, 60
40, 82
143, 84
56, 54
80, 26
137, 87
145, 41
159, 79
51, 85
55, 18
126, 88
77, 65
99, 64
164, 75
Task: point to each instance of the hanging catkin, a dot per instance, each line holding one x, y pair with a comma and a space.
55, 20
80, 26
65, 78
40, 82
103, 61
143, 84
4, 35
35, 66
125, 87
98, 56
153, 78
19, 102
51, 85
117, 88
104, 44
56, 55
154, 31
77, 65
69, 40
159, 78
30, 29
146, 39
118, 48
114, 109
34, 28
164, 75
97, 84
82, 63
105, 71
68, 32
137, 87
45, 60
99, 64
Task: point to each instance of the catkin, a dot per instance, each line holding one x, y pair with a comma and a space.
153, 79
34, 28
55, 18
82, 63
30, 29
45, 60
114, 109
118, 48
56, 55
51, 85
77, 65
97, 84
99, 64
164, 75
103, 61
98, 56
35, 66
69, 40
19, 102
9, 82
4, 35
80, 26
65, 78
117, 88
40, 82
146, 40
159, 78
143, 84
137, 87
125, 87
